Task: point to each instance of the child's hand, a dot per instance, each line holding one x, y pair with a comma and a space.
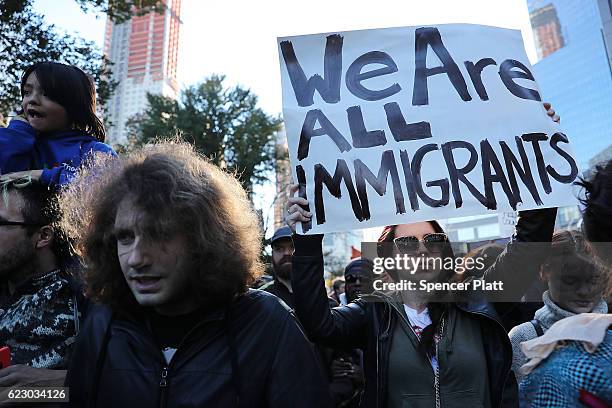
34, 175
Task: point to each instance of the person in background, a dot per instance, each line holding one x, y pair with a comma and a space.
569, 366
597, 211
576, 284
282, 253
597, 216
345, 378
337, 291
515, 313
39, 314
358, 275
580, 373
57, 129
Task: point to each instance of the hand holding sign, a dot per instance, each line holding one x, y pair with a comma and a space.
294, 208
551, 112
409, 124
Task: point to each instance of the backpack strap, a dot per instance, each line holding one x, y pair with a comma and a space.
538, 327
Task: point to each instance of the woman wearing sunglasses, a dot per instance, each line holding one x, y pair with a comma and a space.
420, 351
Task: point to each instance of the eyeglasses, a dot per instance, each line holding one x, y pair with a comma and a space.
19, 223
433, 242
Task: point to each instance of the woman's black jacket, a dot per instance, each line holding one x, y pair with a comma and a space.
368, 324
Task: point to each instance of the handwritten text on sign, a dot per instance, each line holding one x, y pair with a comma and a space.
407, 124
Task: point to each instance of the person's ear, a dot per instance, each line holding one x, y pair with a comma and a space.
45, 237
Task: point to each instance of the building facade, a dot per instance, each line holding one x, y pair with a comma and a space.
282, 168
144, 52
573, 39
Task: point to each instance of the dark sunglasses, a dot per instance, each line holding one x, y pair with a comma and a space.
350, 278
433, 242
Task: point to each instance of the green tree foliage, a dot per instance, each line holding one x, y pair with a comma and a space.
224, 124
122, 10
27, 39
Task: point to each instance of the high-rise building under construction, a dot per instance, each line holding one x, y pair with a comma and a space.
144, 52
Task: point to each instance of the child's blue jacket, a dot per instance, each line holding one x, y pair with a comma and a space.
58, 154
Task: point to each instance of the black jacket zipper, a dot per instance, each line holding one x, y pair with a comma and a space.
165, 373
163, 384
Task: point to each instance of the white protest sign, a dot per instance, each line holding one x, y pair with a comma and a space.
507, 221
407, 124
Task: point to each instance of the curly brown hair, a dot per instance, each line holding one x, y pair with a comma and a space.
178, 191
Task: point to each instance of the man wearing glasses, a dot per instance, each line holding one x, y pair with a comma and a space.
38, 319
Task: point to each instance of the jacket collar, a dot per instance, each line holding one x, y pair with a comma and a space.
68, 135
550, 313
34, 283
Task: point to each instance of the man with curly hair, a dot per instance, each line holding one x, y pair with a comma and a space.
171, 244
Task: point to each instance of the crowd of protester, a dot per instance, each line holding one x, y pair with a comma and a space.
131, 280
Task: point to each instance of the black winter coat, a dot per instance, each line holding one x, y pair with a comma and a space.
368, 325
253, 354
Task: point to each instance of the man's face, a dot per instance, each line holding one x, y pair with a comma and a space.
154, 268
356, 282
282, 253
17, 247
43, 114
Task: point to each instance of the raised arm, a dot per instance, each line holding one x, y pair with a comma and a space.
342, 326
519, 264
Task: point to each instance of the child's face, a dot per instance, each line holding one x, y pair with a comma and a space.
42, 113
